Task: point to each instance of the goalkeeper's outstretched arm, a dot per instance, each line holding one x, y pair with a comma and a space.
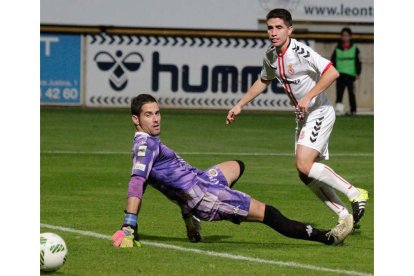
128, 235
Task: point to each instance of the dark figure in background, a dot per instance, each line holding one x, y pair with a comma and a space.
346, 60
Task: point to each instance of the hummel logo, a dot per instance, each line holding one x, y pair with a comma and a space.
118, 64
301, 52
317, 127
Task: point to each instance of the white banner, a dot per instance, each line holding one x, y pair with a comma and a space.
324, 10
181, 72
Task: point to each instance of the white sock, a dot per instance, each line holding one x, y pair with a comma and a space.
327, 176
329, 197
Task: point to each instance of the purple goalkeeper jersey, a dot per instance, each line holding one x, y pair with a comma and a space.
165, 170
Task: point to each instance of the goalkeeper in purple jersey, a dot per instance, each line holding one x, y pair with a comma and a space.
205, 195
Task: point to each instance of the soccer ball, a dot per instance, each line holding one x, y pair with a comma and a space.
339, 109
53, 252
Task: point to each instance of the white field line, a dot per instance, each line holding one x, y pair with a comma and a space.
212, 253
349, 154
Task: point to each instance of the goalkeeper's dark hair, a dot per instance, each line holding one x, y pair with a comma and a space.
282, 14
138, 101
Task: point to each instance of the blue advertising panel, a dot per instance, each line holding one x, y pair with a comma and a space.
60, 69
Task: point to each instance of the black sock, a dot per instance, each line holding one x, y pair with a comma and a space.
293, 229
241, 165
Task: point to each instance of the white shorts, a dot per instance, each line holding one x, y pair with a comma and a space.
315, 130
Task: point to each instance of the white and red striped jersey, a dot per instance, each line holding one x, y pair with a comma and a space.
298, 69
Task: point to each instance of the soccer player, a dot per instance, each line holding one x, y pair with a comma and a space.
204, 194
305, 76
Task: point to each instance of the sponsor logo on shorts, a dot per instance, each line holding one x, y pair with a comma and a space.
302, 135
140, 167
142, 150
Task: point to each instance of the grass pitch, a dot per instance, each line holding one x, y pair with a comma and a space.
85, 166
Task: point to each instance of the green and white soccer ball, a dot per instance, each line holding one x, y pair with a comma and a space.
53, 252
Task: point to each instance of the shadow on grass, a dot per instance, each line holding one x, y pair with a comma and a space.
223, 240
206, 239
52, 273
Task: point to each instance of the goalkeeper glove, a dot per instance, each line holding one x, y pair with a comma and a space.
125, 237
128, 235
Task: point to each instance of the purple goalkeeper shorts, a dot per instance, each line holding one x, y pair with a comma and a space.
218, 201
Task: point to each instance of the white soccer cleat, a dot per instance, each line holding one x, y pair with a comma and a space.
342, 230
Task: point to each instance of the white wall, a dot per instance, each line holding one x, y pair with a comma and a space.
195, 14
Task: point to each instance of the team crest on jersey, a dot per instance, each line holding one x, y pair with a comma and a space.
212, 172
290, 69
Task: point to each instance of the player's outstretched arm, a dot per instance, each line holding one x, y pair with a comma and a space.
127, 236
257, 88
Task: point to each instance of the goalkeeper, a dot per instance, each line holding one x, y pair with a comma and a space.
206, 195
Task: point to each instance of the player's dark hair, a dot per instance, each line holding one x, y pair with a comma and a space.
346, 30
138, 101
282, 14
